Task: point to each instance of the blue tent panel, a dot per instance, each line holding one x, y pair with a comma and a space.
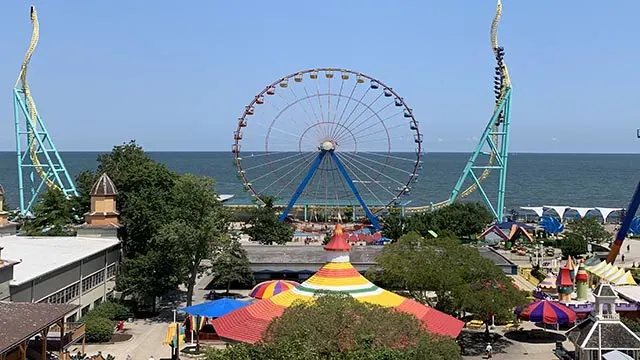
215, 308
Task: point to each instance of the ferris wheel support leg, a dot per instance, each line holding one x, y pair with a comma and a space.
303, 185
372, 218
624, 228
501, 149
53, 165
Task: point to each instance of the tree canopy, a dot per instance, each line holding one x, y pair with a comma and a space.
144, 187
590, 229
230, 263
393, 225
461, 219
340, 327
460, 277
573, 245
265, 227
52, 215
169, 221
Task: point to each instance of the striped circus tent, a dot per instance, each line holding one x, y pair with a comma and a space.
548, 312
626, 279
270, 288
548, 285
600, 272
609, 273
611, 276
592, 261
337, 275
593, 269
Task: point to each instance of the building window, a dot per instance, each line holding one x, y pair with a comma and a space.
111, 271
85, 310
63, 296
71, 318
97, 302
92, 281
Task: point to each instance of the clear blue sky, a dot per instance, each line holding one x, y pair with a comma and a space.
175, 75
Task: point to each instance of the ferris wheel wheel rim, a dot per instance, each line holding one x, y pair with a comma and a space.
411, 119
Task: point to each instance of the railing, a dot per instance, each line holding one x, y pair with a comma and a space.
72, 331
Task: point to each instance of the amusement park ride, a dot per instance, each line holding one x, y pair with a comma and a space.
320, 137
343, 138
39, 163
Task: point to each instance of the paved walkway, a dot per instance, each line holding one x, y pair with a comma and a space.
148, 334
146, 342
525, 350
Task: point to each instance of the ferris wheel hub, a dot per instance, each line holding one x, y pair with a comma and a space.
328, 145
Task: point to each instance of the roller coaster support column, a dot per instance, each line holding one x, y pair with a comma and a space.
496, 136
50, 160
624, 228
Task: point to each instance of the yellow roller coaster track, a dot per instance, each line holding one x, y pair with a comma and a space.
506, 83
31, 105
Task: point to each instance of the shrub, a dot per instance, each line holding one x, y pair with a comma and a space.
109, 310
98, 329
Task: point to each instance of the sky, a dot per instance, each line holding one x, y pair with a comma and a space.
175, 75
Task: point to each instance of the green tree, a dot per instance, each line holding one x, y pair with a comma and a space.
144, 186
340, 327
457, 274
198, 222
81, 203
150, 275
590, 229
265, 227
52, 215
421, 223
573, 245
463, 219
393, 225
230, 263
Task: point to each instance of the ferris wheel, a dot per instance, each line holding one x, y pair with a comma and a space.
328, 137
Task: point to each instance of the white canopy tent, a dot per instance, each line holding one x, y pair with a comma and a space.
605, 212
582, 211
559, 209
539, 210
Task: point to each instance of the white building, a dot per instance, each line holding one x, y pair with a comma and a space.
66, 269
72, 270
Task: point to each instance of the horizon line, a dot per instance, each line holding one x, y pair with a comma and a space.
426, 152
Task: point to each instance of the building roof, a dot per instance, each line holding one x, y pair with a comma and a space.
613, 334
104, 187
616, 355
581, 275
338, 241
60, 251
604, 289
20, 321
337, 275
630, 293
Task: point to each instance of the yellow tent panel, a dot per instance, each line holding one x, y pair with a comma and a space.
593, 269
170, 336
627, 279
